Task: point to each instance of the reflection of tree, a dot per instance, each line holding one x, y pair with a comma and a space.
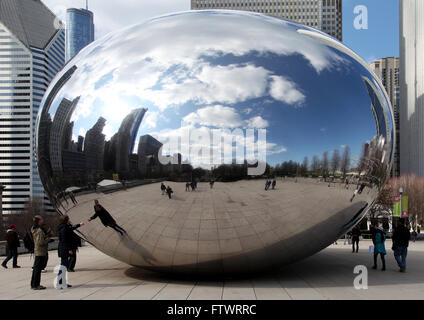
324, 164
304, 167
345, 162
335, 161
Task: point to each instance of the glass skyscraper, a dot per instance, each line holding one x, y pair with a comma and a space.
79, 31
32, 51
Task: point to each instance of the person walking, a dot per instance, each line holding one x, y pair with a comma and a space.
356, 234
66, 241
163, 188
169, 192
274, 183
41, 241
380, 248
106, 218
12, 245
211, 183
400, 238
76, 243
187, 186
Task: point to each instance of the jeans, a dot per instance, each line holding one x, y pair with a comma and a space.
383, 260
355, 241
400, 256
39, 263
11, 253
72, 260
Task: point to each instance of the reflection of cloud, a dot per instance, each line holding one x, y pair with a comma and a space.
273, 148
82, 132
286, 91
248, 111
343, 146
216, 116
257, 123
323, 129
223, 117
150, 120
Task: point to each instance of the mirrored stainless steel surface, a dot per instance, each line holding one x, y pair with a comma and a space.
140, 107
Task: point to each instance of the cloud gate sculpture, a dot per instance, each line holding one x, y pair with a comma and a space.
176, 125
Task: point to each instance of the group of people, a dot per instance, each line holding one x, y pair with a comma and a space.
166, 189
191, 185
41, 236
269, 184
400, 240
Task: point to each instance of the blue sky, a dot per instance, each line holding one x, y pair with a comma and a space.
382, 37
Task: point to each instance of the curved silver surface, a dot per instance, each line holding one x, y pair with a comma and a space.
144, 105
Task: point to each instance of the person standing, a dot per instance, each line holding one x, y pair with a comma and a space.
169, 192
41, 242
380, 248
274, 183
76, 243
66, 240
12, 246
356, 234
400, 238
163, 188
187, 186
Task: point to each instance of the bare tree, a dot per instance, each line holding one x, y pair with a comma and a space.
345, 163
315, 164
335, 161
304, 167
324, 164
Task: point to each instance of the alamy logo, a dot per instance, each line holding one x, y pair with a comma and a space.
361, 20
361, 280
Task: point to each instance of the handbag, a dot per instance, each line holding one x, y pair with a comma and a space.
371, 249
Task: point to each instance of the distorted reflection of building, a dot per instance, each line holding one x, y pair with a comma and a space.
57, 133
94, 146
120, 147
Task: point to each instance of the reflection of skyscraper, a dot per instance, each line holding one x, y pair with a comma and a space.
387, 69
79, 31
122, 143
411, 86
94, 146
325, 15
57, 133
32, 51
148, 149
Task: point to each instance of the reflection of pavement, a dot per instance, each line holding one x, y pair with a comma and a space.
326, 275
227, 222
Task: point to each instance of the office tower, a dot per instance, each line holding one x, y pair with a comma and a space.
79, 30
387, 69
32, 51
94, 146
411, 110
325, 15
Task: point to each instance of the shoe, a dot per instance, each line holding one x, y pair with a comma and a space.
71, 270
16, 267
4, 266
69, 286
39, 288
383, 269
402, 269
44, 271
374, 267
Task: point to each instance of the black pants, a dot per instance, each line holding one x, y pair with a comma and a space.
355, 241
383, 260
72, 260
39, 263
117, 229
11, 253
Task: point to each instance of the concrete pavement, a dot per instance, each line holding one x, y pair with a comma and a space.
326, 275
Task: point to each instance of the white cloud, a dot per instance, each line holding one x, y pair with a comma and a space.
257, 123
286, 91
215, 116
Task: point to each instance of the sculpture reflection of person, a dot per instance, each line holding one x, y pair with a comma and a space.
106, 218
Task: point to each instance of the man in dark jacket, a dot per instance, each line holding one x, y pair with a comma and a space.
12, 246
356, 234
76, 243
66, 240
106, 218
400, 238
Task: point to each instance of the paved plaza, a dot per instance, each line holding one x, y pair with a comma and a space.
326, 275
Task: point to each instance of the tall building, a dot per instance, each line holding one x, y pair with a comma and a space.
94, 146
325, 15
32, 51
79, 30
387, 69
411, 86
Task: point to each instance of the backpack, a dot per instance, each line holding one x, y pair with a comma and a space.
29, 241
